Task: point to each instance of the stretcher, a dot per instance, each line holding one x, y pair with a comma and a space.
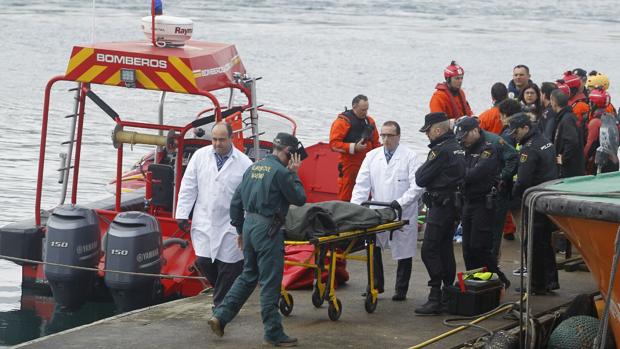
327, 251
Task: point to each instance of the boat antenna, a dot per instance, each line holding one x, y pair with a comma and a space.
92, 29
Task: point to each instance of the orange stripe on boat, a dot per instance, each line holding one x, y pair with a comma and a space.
79, 58
171, 82
92, 73
183, 69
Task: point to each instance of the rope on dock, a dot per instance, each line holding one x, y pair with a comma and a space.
163, 276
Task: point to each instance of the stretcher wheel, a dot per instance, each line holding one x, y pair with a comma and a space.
334, 314
285, 308
317, 298
369, 305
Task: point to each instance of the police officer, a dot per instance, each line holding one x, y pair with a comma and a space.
483, 165
536, 165
268, 188
441, 176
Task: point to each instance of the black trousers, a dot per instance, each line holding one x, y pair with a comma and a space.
437, 246
544, 270
403, 273
477, 221
220, 274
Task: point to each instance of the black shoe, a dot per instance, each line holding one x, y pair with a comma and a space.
431, 307
287, 342
552, 286
510, 236
216, 326
534, 291
399, 297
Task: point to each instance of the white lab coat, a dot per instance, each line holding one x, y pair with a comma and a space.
387, 182
212, 191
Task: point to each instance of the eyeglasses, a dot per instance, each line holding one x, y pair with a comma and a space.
387, 135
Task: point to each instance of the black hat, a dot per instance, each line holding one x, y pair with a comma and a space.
285, 139
432, 119
518, 120
582, 73
465, 125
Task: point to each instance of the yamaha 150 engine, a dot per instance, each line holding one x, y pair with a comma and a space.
72, 239
133, 244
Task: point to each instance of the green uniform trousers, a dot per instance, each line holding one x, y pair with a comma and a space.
263, 264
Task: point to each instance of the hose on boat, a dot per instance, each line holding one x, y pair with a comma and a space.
163, 276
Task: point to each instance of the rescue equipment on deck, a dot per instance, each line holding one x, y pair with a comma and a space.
475, 292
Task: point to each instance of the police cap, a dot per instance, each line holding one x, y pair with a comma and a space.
465, 125
518, 120
432, 119
286, 140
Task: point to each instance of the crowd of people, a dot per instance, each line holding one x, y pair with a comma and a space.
475, 174
478, 169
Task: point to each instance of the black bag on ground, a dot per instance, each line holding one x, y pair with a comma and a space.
331, 217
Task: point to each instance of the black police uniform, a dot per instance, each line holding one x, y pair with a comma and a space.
483, 165
440, 175
537, 165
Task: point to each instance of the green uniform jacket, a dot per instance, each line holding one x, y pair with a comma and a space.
508, 155
267, 188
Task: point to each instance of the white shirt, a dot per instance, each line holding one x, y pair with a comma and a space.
383, 181
212, 190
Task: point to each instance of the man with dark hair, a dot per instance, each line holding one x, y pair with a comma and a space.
441, 175
353, 134
567, 137
536, 165
388, 174
212, 175
507, 108
449, 98
520, 78
257, 211
490, 120
546, 124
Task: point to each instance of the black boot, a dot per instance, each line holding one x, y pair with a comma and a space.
433, 305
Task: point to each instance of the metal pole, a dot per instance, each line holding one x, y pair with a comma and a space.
254, 119
69, 155
162, 98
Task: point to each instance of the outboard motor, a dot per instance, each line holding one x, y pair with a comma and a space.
133, 244
72, 239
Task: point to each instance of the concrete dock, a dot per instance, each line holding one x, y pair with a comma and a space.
183, 323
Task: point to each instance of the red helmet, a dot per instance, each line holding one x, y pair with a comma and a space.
600, 98
563, 87
572, 80
453, 70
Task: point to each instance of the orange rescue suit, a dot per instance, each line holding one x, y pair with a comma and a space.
454, 106
342, 138
491, 121
581, 109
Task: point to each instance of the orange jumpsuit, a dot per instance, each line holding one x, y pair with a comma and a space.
453, 106
342, 138
490, 121
581, 109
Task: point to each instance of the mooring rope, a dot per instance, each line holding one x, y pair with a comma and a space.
164, 276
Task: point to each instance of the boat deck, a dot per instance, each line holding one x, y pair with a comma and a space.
183, 323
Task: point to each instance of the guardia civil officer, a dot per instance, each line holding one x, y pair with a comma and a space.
268, 188
536, 165
441, 176
482, 176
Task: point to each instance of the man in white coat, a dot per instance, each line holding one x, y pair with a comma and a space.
209, 182
388, 174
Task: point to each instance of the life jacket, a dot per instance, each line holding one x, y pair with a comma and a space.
455, 111
360, 128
